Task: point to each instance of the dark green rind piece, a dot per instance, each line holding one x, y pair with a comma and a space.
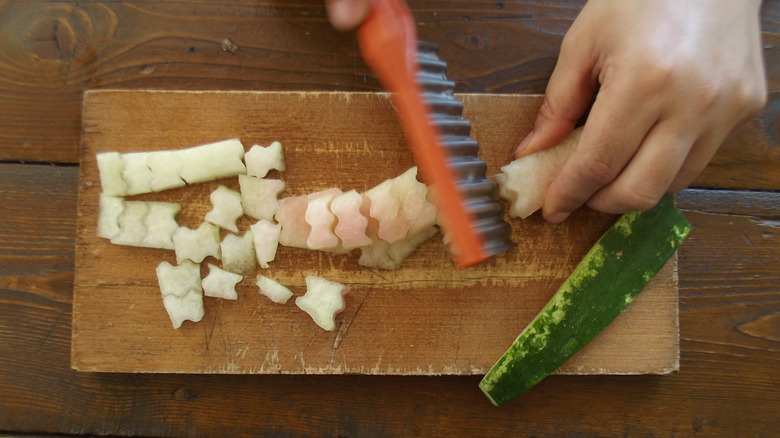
604, 283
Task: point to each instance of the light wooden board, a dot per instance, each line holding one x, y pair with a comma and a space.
427, 318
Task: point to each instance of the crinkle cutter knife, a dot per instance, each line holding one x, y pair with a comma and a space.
469, 213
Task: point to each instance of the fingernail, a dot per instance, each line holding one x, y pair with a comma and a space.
557, 217
524, 144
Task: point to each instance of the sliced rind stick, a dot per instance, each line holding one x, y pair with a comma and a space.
259, 160
383, 255
605, 282
265, 235
274, 290
220, 283
260, 196
180, 279
322, 301
212, 161
415, 208
131, 224
182, 291
238, 253
197, 244
524, 181
226, 208
146, 224
109, 209
110, 166
160, 223
385, 208
136, 173
321, 222
165, 167
351, 223
291, 214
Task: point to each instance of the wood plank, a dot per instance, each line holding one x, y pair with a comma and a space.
289, 46
426, 318
729, 293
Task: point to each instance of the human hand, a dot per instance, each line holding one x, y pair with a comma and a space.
347, 14
671, 78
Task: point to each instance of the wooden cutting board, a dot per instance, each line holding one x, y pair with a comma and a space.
427, 318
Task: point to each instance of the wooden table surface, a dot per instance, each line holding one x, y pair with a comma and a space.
51, 51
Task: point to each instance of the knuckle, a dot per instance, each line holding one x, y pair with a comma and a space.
570, 43
739, 98
751, 98
677, 187
563, 196
655, 78
568, 201
598, 171
642, 202
706, 97
618, 199
546, 110
638, 198
687, 174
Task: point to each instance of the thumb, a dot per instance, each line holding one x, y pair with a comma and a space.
347, 14
569, 93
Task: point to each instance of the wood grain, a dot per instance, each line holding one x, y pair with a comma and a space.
427, 318
51, 52
727, 386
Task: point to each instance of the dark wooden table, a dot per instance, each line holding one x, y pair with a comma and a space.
51, 51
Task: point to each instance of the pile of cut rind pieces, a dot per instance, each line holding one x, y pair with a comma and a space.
386, 223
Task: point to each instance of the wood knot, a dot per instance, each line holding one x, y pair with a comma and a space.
184, 394
53, 38
56, 32
765, 327
475, 41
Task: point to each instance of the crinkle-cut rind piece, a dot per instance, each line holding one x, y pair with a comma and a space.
212, 161
131, 224
413, 196
109, 209
220, 283
110, 166
226, 208
160, 222
136, 173
400, 250
524, 181
238, 253
265, 235
197, 244
260, 196
321, 222
165, 167
383, 255
377, 255
260, 160
178, 280
186, 308
385, 208
274, 290
322, 301
351, 224
292, 216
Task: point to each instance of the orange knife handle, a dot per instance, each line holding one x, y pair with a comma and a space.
388, 43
